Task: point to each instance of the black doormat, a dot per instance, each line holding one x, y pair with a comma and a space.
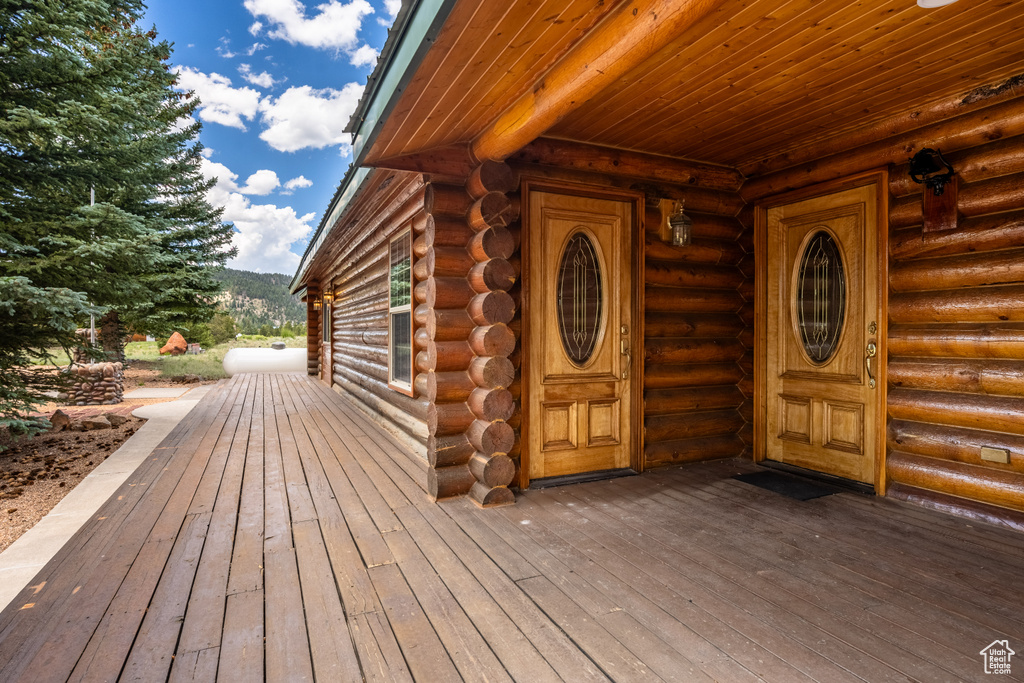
788, 485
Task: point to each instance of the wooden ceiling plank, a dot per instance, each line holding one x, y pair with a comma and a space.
533, 48
707, 71
823, 125
975, 127
728, 123
522, 75
774, 71
848, 96
442, 66
740, 29
433, 65
801, 151
434, 125
716, 74
615, 46
876, 71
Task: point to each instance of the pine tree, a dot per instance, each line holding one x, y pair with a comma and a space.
87, 108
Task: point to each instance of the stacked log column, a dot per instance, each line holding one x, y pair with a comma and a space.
492, 309
956, 337
698, 357
444, 353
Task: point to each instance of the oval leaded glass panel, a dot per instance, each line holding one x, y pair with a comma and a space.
821, 296
579, 298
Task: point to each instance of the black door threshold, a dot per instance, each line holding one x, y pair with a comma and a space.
839, 482
566, 479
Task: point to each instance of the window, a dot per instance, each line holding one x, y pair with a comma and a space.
400, 313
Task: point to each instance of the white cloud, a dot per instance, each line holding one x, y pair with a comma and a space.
224, 50
255, 28
221, 103
336, 25
254, 48
391, 7
262, 79
261, 182
364, 56
296, 183
305, 117
265, 232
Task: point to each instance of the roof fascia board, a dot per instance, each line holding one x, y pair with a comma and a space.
350, 187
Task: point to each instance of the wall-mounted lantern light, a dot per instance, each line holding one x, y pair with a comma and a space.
316, 304
681, 224
930, 168
328, 298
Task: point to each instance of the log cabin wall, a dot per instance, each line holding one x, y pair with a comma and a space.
444, 351
698, 322
357, 267
955, 339
956, 336
698, 310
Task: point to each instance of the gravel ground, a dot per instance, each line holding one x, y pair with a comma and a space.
35, 474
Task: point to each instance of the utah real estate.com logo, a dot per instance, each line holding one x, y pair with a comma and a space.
997, 657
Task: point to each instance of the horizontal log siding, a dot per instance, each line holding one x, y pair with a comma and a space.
695, 350
956, 343
359, 317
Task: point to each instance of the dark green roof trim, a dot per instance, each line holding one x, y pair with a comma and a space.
411, 37
350, 186
413, 33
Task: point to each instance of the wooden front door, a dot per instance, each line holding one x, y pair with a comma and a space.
579, 393
821, 345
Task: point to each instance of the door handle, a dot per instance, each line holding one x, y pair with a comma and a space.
870, 353
629, 358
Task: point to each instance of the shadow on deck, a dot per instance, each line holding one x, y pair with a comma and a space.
277, 533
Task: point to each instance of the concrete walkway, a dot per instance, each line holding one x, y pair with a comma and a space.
26, 556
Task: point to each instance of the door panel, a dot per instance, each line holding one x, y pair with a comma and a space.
580, 306
822, 315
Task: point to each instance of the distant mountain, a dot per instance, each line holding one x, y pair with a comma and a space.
258, 299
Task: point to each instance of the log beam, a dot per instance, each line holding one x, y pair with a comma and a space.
611, 161
964, 341
993, 377
995, 487
990, 413
615, 46
1005, 119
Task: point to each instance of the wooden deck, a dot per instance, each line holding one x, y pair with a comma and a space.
277, 533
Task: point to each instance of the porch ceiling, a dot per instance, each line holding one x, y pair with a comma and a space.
752, 79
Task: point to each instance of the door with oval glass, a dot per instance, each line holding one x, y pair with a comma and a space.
821, 353
579, 397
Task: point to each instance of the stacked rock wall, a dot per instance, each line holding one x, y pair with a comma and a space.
97, 384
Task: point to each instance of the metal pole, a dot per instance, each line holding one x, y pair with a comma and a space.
92, 316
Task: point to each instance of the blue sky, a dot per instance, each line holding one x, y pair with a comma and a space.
278, 80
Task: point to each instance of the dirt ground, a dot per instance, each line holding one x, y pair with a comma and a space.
35, 474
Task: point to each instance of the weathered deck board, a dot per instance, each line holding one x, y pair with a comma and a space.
278, 533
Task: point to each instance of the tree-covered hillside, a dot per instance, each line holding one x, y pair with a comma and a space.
255, 300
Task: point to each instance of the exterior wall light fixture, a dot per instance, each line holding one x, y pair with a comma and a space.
930, 168
681, 224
